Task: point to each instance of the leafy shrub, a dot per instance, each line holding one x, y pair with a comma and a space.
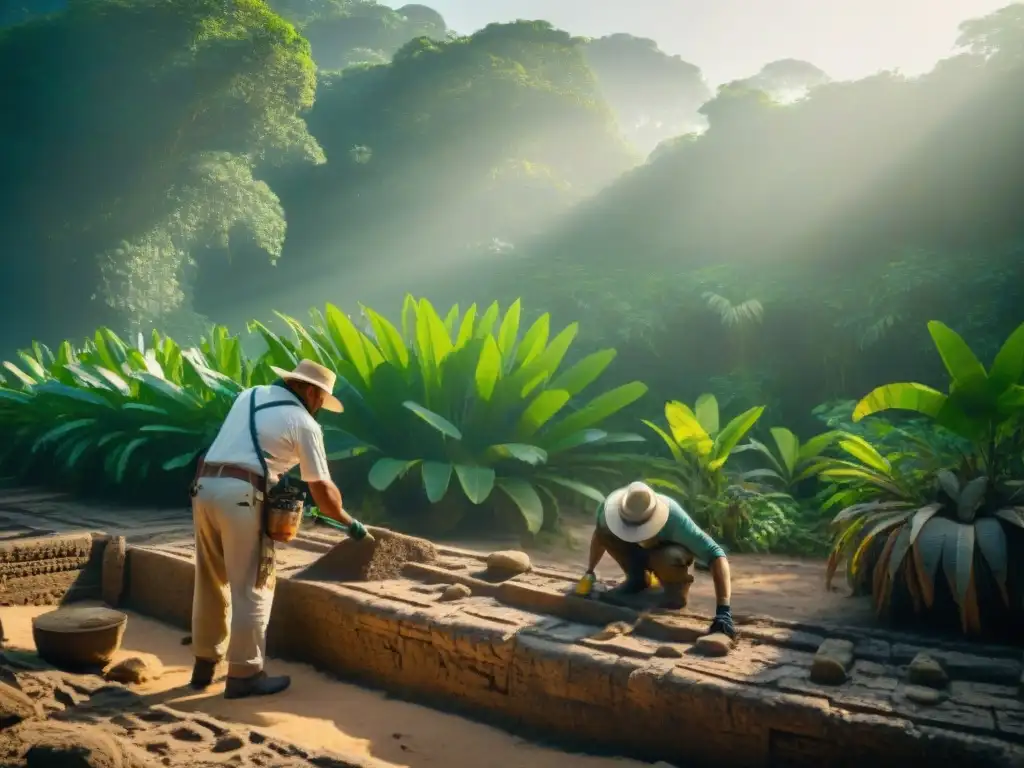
446, 411
739, 513
901, 520
119, 419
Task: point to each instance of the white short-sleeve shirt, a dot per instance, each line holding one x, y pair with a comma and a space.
288, 435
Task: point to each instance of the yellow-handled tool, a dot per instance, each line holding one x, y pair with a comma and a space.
585, 585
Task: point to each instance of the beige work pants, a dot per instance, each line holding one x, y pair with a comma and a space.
228, 534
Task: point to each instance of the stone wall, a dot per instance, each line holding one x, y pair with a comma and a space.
51, 569
543, 674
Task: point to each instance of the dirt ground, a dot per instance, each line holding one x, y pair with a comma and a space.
320, 713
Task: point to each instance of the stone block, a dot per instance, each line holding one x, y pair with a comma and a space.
832, 662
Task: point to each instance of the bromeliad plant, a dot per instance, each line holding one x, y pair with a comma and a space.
701, 449
902, 520
119, 418
465, 407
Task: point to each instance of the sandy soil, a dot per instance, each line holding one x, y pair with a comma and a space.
320, 713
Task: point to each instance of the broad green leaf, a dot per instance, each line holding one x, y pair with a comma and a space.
866, 453
686, 428
450, 319
487, 321
465, 333
181, 461
56, 389
577, 439
1012, 515
12, 396
168, 429
817, 444
165, 389
60, 431
963, 367
436, 477
114, 380
526, 498
529, 454
899, 551
584, 373
125, 457
477, 482
788, 445
598, 409
905, 396
731, 434
432, 340
34, 367
922, 516
971, 498
307, 346
676, 451
437, 421
539, 412
385, 471
706, 411
349, 341
534, 340
508, 332
949, 484
991, 540
20, 375
488, 369
280, 355
958, 561
1008, 367
389, 340
409, 320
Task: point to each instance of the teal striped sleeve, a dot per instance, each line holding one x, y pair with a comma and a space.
681, 530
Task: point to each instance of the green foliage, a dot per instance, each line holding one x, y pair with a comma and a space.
739, 513
118, 419
902, 518
450, 409
791, 462
129, 137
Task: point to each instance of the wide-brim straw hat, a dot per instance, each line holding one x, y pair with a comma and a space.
322, 378
635, 513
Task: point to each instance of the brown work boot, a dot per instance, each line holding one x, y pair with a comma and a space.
260, 684
202, 674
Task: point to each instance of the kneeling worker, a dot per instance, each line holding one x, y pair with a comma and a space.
646, 533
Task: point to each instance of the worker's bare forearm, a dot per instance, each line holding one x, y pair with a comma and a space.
597, 551
328, 499
723, 580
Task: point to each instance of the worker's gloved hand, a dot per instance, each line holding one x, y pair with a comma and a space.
723, 622
357, 530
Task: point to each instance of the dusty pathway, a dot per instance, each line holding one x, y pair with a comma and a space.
320, 713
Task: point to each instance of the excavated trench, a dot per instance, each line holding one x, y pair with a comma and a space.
460, 630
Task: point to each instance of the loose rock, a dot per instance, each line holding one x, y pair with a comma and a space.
927, 671
668, 652
928, 697
718, 644
509, 561
832, 662
134, 670
455, 592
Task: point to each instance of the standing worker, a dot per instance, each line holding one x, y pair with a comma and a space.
234, 554
646, 533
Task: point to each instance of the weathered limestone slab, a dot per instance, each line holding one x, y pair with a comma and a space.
526, 658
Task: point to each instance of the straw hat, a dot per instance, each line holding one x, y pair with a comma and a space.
635, 513
309, 372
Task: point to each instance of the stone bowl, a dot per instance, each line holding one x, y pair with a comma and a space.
78, 637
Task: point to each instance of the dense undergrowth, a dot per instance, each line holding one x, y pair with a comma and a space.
468, 421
